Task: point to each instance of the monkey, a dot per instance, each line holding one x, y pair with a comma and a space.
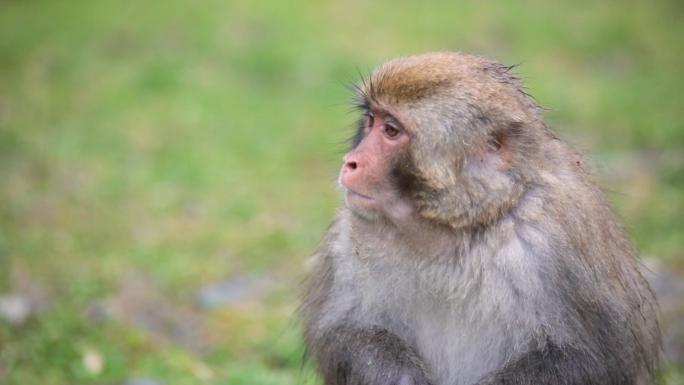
473, 246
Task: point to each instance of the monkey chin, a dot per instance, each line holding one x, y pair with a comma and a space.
354, 199
376, 209
361, 205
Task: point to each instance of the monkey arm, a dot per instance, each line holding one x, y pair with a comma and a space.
554, 365
591, 336
350, 355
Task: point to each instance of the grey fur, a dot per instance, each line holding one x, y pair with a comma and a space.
532, 280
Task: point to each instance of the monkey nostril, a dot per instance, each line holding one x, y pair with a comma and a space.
351, 166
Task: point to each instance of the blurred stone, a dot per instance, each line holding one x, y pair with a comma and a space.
195, 211
93, 361
143, 381
668, 285
23, 285
15, 308
25, 299
202, 371
140, 303
233, 291
627, 165
615, 63
97, 311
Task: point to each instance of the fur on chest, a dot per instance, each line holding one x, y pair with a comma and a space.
465, 314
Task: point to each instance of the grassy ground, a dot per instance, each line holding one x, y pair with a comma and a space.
171, 144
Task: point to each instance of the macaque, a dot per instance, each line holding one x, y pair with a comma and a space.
473, 246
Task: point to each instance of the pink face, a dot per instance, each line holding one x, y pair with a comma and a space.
366, 170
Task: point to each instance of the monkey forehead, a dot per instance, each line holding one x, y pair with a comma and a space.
414, 78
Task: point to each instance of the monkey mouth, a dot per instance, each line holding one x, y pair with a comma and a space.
354, 193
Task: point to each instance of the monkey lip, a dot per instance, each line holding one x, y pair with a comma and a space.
353, 193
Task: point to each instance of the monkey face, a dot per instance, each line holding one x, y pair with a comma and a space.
366, 173
464, 148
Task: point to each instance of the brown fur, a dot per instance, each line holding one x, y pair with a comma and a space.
513, 269
479, 96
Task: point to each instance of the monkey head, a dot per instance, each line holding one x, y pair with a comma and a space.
448, 136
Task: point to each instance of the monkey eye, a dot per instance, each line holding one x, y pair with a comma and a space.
391, 131
371, 120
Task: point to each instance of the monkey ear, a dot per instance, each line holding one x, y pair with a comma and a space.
499, 145
495, 145
502, 142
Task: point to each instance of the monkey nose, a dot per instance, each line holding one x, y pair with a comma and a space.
349, 166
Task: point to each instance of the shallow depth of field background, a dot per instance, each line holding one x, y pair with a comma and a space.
166, 167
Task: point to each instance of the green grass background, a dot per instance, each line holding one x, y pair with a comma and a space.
198, 141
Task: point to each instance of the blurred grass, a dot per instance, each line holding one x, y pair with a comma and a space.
198, 141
